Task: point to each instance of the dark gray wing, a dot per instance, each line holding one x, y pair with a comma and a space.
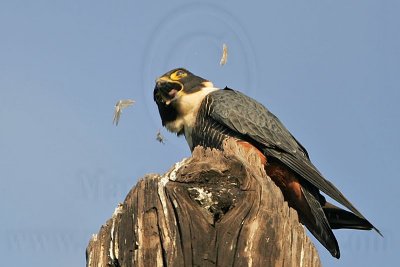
251, 119
319, 225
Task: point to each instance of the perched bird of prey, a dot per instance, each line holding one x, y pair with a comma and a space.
224, 57
119, 106
191, 106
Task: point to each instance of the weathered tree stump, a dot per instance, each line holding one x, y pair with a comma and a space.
213, 209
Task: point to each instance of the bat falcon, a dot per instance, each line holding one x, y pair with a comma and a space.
191, 106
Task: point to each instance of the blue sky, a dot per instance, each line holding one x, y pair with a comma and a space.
330, 70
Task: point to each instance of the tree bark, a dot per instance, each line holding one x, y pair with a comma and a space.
213, 209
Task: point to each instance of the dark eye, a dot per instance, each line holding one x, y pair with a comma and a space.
180, 73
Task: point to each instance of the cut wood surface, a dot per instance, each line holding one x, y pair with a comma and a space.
212, 209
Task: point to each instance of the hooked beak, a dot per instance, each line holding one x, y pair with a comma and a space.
166, 90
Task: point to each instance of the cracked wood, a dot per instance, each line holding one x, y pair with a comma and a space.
213, 209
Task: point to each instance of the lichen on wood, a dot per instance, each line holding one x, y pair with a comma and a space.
212, 209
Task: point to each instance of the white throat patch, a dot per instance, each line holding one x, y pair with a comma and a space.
188, 107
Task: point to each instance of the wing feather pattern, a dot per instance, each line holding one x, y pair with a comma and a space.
322, 230
251, 119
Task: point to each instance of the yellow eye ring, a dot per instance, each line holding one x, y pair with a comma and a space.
177, 75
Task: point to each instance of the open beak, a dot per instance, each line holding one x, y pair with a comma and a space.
166, 90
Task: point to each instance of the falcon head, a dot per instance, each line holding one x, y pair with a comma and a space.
178, 95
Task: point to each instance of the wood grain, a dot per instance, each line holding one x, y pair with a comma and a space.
212, 209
